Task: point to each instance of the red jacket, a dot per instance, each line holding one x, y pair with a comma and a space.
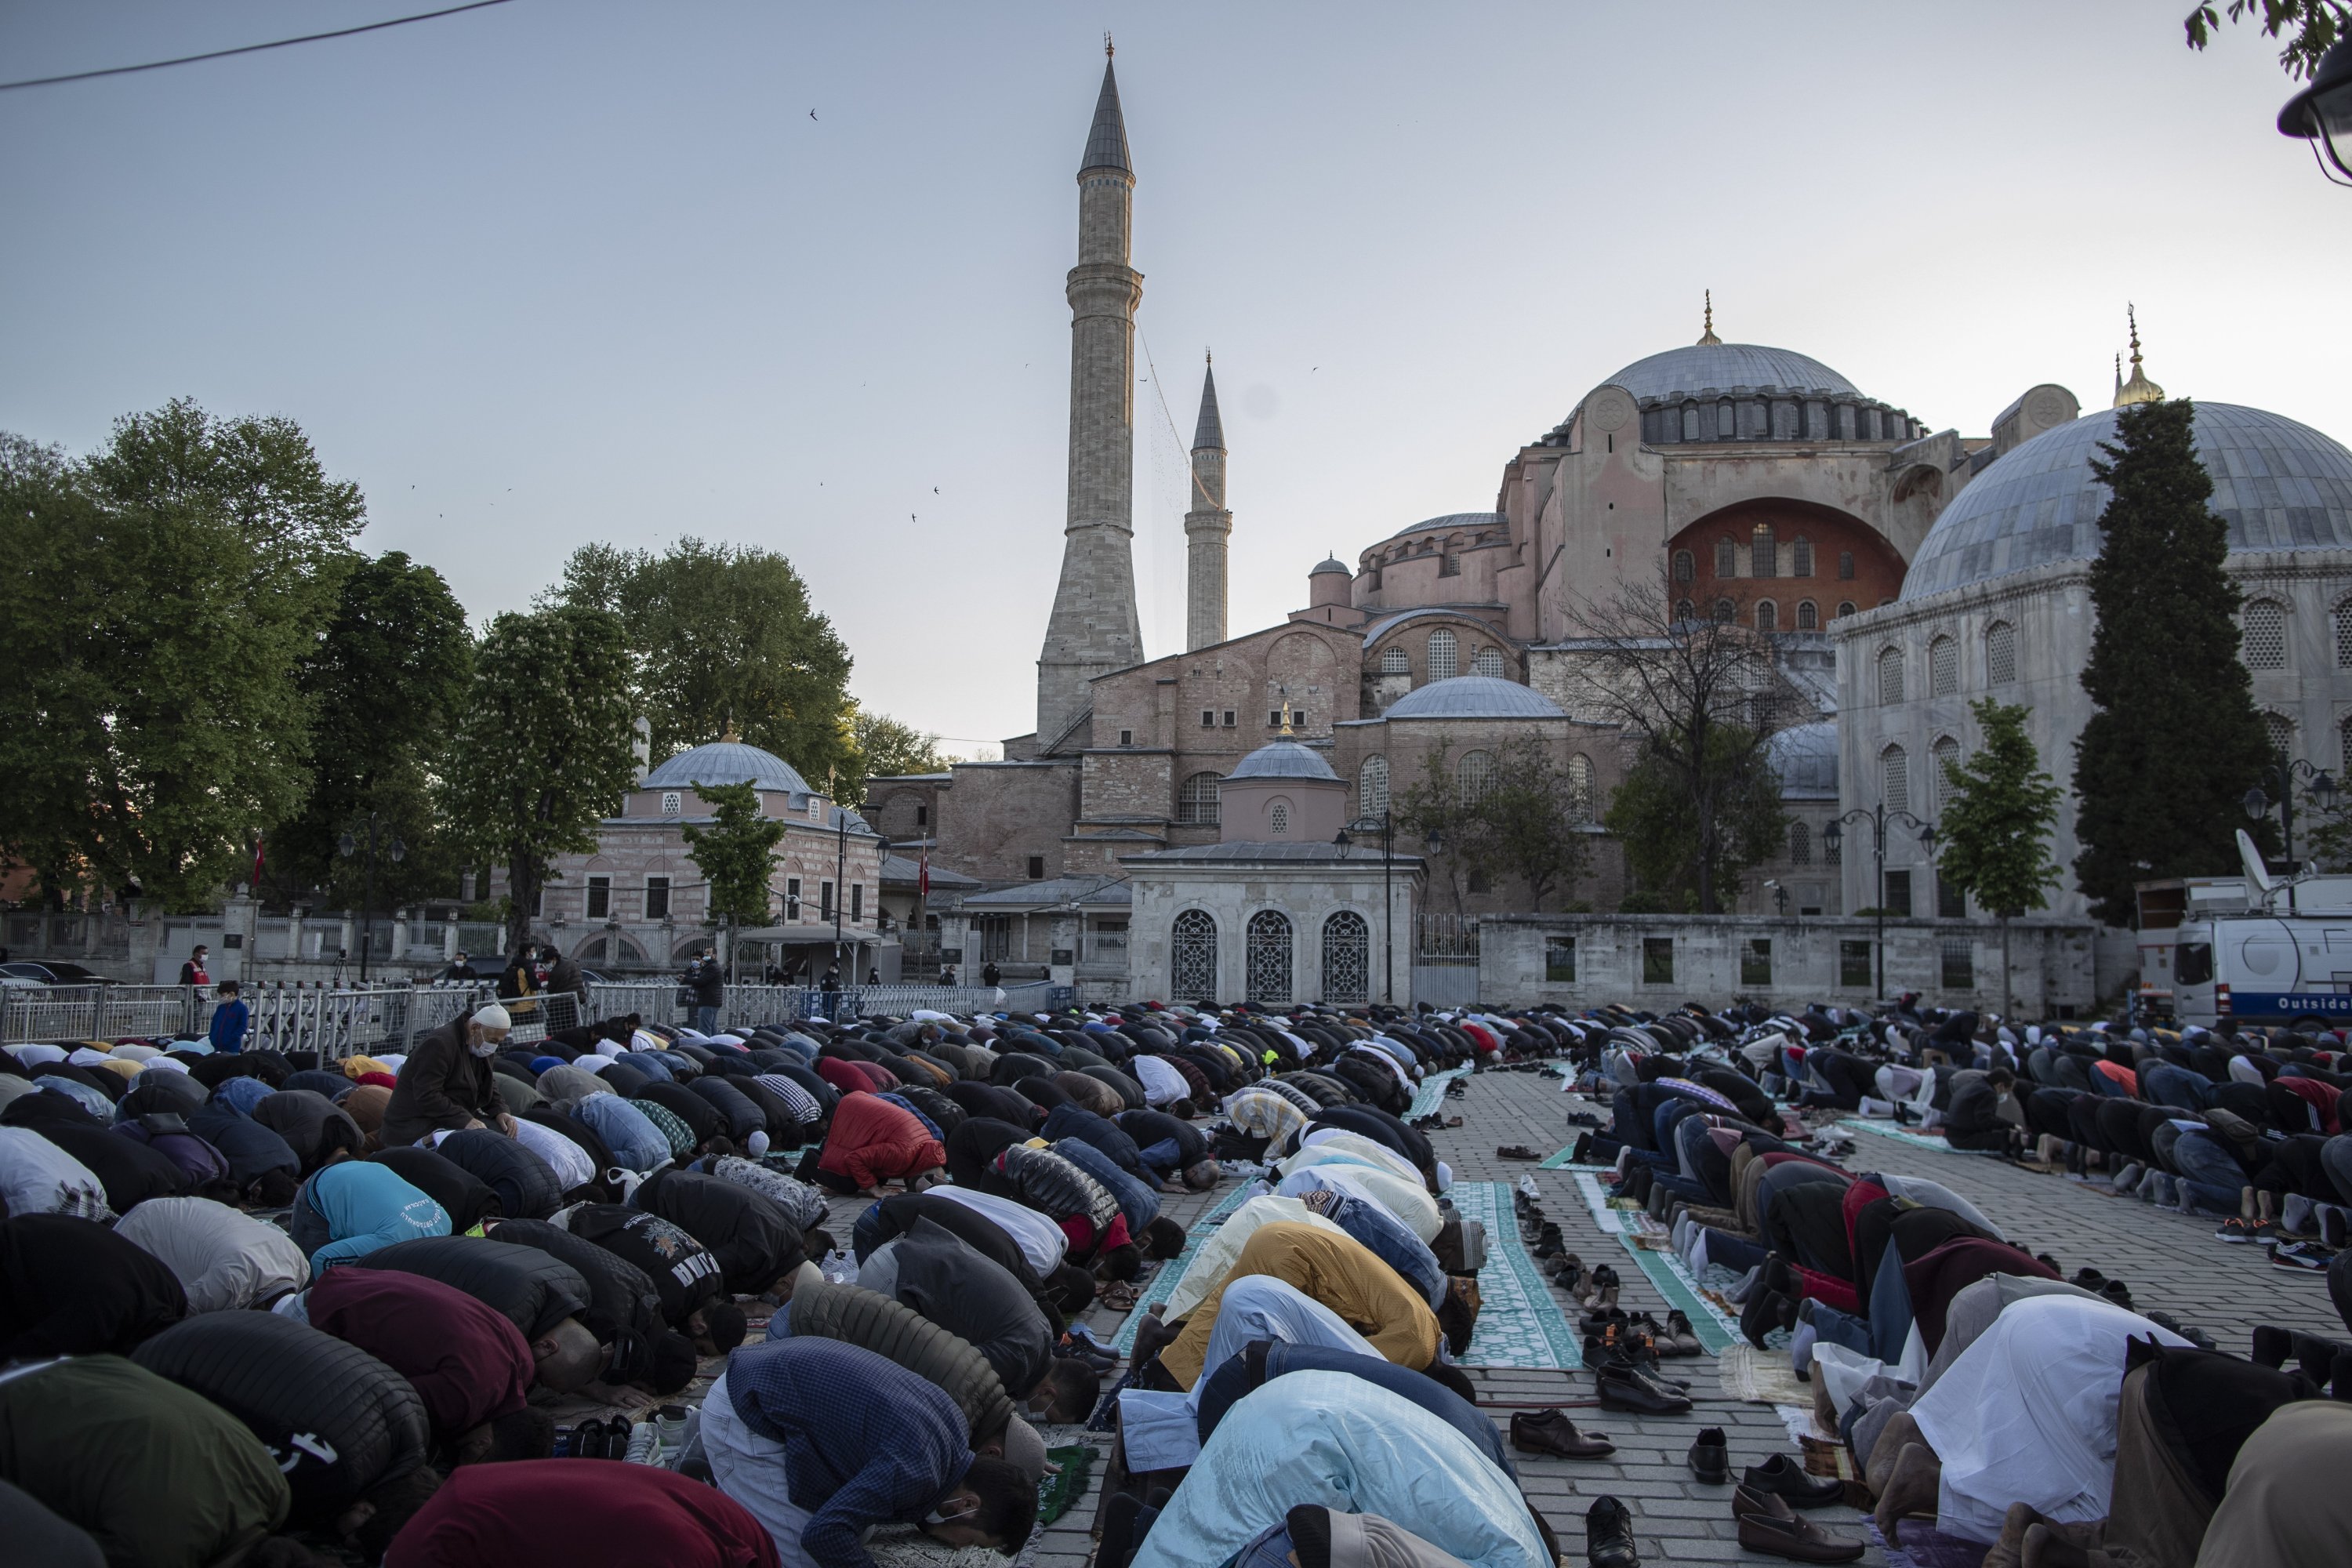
559, 1511
872, 1141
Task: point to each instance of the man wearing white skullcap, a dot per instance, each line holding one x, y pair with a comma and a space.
447, 1083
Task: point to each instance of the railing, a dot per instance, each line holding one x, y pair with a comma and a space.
335, 1022
95, 1011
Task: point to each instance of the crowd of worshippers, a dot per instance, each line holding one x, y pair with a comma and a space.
334, 1300
2052, 1417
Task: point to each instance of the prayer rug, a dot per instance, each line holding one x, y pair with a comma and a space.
1430, 1095
1760, 1378
1163, 1283
1653, 1253
1901, 1135
1560, 1161
1520, 1320
1924, 1546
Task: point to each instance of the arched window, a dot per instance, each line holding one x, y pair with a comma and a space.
1269, 956
1890, 675
1278, 817
1444, 655
2344, 635
1768, 617
1372, 786
1196, 802
1580, 788
1394, 662
1192, 956
1800, 844
1724, 613
1809, 618
1943, 667
2000, 653
2280, 728
1846, 565
1845, 607
1727, 421
1347, 958
1684, 567
1944, 749
1894, 778
1475, 775
1727, 557
1800, 564
2344, 738
1690, 421
1685, 611
1487, 662
1763, 551
2265, 635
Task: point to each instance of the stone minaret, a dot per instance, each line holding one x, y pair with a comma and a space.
1094, 629
1206, 527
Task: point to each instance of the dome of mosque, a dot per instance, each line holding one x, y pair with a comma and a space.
1332, 563
727, 763
2279, 486
1473, 697
1283, 760
1703, 370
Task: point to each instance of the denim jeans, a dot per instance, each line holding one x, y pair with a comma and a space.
2208, 1173
2166, 1084
706, 1020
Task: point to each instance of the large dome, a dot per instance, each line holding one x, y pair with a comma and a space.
1473, 697
2278, 484
1709, 368
727, 763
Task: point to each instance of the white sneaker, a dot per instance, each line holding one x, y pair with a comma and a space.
644, 1443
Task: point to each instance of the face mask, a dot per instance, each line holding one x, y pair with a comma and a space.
483, 1047
936, 1517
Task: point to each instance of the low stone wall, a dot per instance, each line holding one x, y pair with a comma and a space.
1582, 960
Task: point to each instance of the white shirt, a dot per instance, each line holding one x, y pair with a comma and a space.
570, 1162
1039, 1239
1162, 1084
225, 1260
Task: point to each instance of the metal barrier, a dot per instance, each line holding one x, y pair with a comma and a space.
95, 1011
656, 1003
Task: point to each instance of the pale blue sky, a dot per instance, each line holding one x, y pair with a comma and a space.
563, 271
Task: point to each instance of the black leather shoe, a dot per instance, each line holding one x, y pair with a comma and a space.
1761, 1315
1779, 1477
1710, 1457
1552, 1432
1609, 1536
1623, 1387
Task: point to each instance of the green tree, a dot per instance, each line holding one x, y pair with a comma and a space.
543, 747
2310, 27
725, 634
2164, 665
160, 597
886, 747
1677, 862
385, 683
1435, 806
736, 853
1531, 823
1994, 842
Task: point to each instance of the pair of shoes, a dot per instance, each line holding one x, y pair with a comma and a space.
2301, 1254
1549, 1242
2127, 1179
1764, 1310
1552, 1432
1604, 1285
1710, 1457
1516, 1152
1780, 1476
1768, 1524
2245, 1231
1608, 1535
1678, 1338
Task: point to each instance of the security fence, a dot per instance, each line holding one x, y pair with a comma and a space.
95, 1011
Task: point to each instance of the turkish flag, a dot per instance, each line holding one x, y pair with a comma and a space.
923, 876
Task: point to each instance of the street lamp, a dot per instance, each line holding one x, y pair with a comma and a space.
1779, 896
2281, 777
1878, 816
1384, 824
349, 845
2321, 113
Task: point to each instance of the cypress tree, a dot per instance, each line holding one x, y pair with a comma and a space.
2162, 766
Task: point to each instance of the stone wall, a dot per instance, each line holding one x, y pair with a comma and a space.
998, 816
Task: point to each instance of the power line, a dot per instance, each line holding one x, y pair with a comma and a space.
246, 48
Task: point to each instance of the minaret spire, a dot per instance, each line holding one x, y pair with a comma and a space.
1707, 333
2138, 389
1207, 525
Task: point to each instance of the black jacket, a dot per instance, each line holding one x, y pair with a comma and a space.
441, 1085
742, 1116
897, 1214
972, 1298
682, 1271
535, 1292
755, 1240
313, 1126
620, 1295
251, 1149
526, 1186
71, 1287
701, 1118
465, 1198
132, 1173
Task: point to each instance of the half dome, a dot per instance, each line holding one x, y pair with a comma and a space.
1473, 697
727, 763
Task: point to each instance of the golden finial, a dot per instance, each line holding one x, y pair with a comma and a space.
1209, 356
729, 732
1286, 718
1708, 336
1109, 48
2138, 389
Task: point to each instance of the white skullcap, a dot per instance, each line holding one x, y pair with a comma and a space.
493, 1016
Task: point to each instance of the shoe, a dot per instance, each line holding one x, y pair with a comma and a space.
2299, 1254
2273, 1345
1761, 1315
1583, 1154
2118, 1292
2332, 1224
1516, 1152
2298, 1218
644, 1445
1780, 1476
1679, 1334
1609, 1536
1768, 1525
588, 1440
1570, 1273
1622, 1386
1710, 1457
2235, 1231
1552, 1432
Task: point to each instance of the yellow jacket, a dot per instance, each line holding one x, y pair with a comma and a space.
1336, 1271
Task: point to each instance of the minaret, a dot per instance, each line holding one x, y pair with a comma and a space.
1094, 629
1206, 526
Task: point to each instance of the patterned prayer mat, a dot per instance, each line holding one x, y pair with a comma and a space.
1520, 1318
1163, 1283
1432, 1093
1714, 1327
1903, 1135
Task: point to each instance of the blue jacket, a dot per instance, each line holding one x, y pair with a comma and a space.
1138, 1203
1075, 1121
229, 1021
366, 1206
635, 1140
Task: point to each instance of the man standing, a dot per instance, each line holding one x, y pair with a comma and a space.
230, 1018
192, 972
832, 984
460, 968
709, 985
447, 1082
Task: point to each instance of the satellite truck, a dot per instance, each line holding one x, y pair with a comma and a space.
2285, 960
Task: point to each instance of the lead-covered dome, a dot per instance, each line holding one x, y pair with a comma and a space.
727, 763
1283, 760
2279, 486
1473, 697
1701, 369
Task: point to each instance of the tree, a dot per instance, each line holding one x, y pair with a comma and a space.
724, 634
385, 683
1654, 815
735, 853
160, 597
1995, 839
1435, 807
886, 747
2163, 666
543, 747
1698, 702
1531, 821
2311, 27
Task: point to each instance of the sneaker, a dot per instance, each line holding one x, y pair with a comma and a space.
2332, 1224
644, 1445
2235, 1230
2299, 1254
670, 1422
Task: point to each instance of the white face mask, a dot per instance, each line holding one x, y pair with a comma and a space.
484, 1048
936, 1517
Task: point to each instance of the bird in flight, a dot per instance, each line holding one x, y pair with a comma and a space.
811, 114
935, 490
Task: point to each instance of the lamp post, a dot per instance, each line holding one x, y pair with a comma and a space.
349, 845
1383, 823
1878, 816
2281, 777
2321, 113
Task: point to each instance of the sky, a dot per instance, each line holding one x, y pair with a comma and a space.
791, 276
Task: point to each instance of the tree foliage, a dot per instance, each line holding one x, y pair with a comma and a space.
886, 747
1434, 804
724, 635
161, 596
1994, 841
736, 853
2163, 666
543, 746
1676, 863
1533, 822
2310, 27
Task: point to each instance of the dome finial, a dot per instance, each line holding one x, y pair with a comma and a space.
2138, 389
1706, 336
1110, 48
1285, 719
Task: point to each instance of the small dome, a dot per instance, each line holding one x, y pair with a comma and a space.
1805, 756
1333, 564
2279, 486
1473, 697
727, 763
1283, 760
1705, 368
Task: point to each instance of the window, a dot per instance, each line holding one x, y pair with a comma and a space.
1208, 718
2344, 735
1347, 958
1196, 802
2344, 635
1845, 607
1768, 617
1727, 557
792, 899
1724, 612
1476, 877
1800, 844
856, 902
1890, 675
1832, 852
1269, 956
1807, 617
2265, 635
1959, 963
1764, 552
657, 897
1951, 900
1192, 956
1489, 663
2000, 653
1854, 965
1229, 718
1445, 656
1685, 611
923, 817
1686, 569
1273, 718
1846, 565
1126, 737
2281, 730
1727, 422
1894, 778
995, 937
1690, 421
1372, 786
1800, 564
1580, 787
1756, 961
599, 897
1036, 869
824, 901
1657, 961
673, 802
1278, 817
1946, 750
1943, 667
1394, 662
2193, 963
1475, 775
1559, 960
1897, 896
1450, 565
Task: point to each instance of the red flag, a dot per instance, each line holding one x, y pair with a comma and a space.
923, 876
257, 860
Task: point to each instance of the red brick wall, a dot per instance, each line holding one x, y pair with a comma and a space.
1877, 569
